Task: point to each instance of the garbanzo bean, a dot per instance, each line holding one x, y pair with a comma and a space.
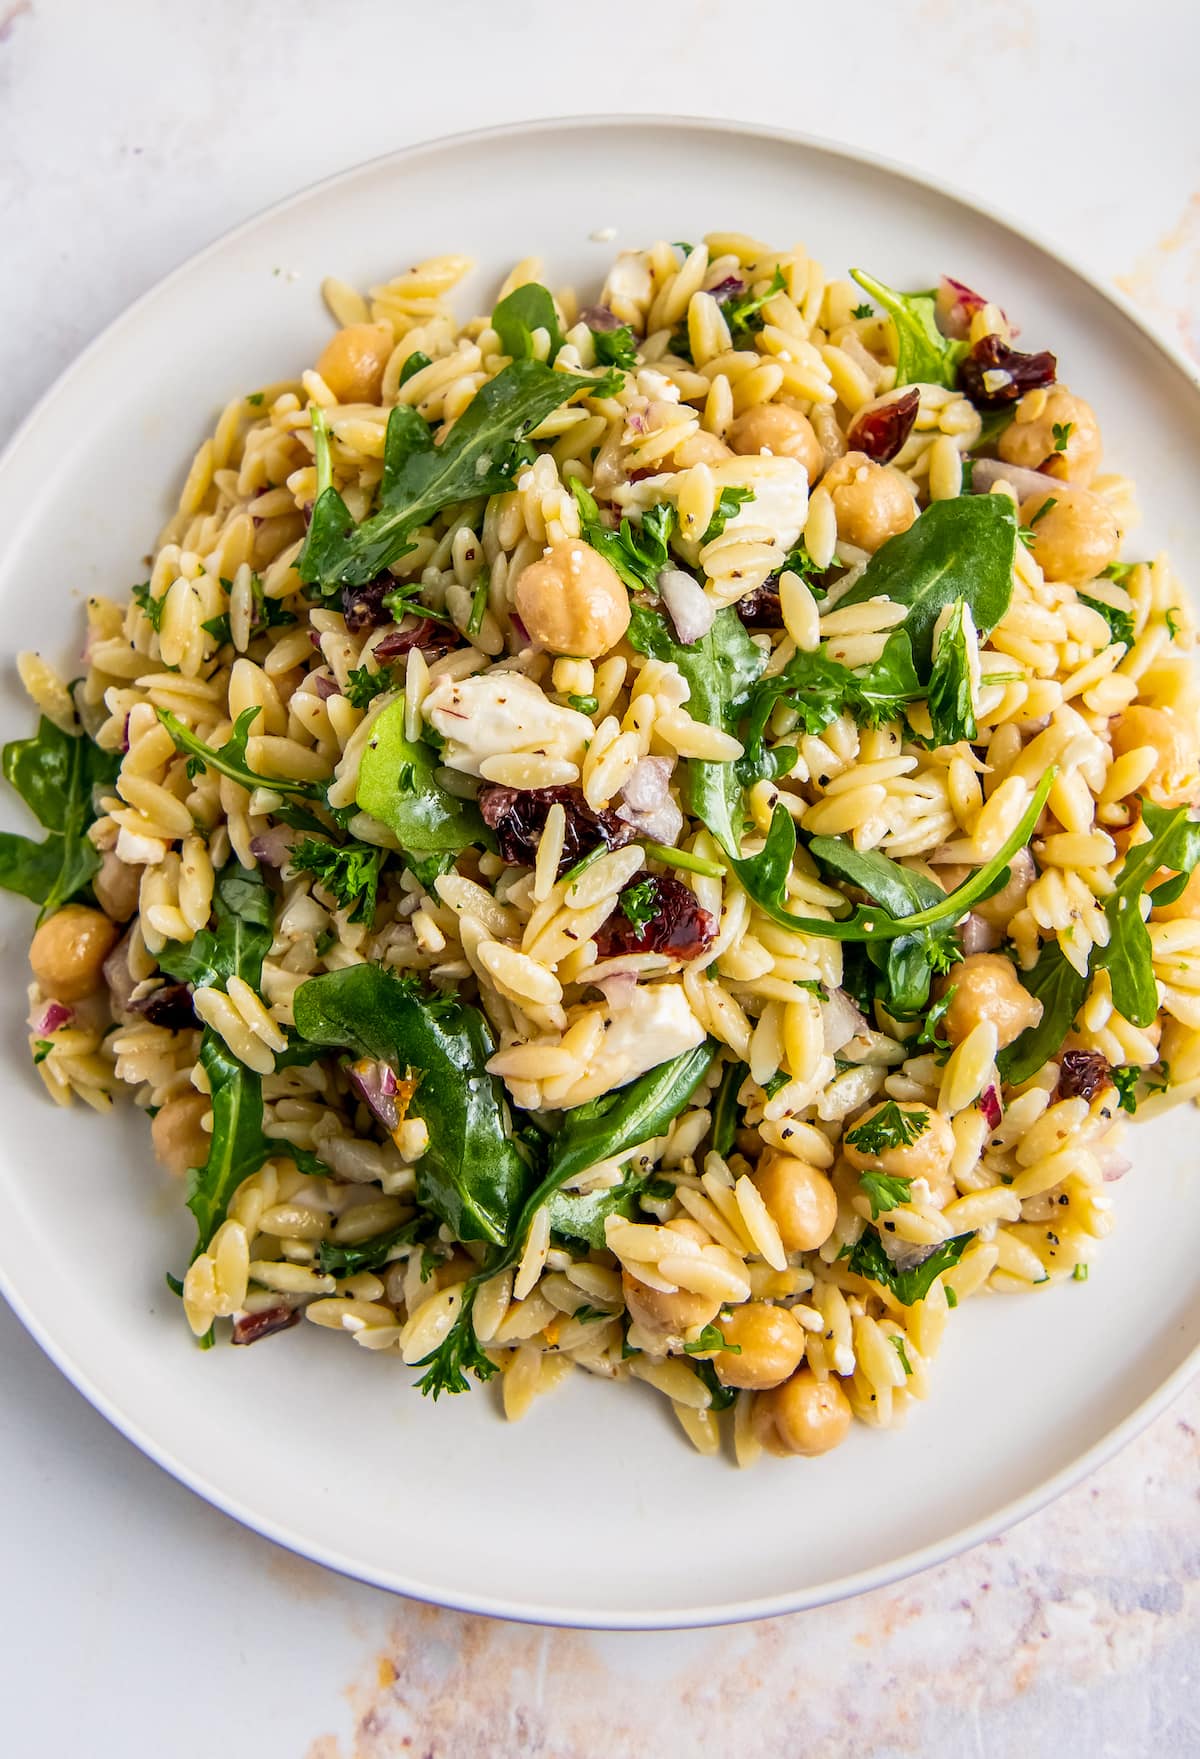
784, 432
1031, 441
700, 447
572, 601
771, 1341
1075, 535
926, 1157
1173, 781
872, 501
803, 1416
352, 362
670, 1315
69, 949
800, 1199
116, 886
986, 987
179, 1141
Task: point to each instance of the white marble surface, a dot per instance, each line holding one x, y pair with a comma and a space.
135, 1620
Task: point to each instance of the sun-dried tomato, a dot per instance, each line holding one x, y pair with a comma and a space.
249, 1327
656, 913
518, 817
989, 1105
881, 430
433, 639
363, 607
760, 609
994, 374
170, 1006
1082, 1074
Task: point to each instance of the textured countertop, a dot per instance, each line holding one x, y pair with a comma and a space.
136, 1620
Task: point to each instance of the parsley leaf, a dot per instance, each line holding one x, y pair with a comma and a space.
1062, 433
863, 311
884, 1191
743, 313
350, 873
616, 348
639, 553
639, 903
901, 1351
819, 689
1026, 533
1173, 621
363, 686
336, 1260
711, 1338
1125, 1081
1120, 622
728, 503
869, 1259
153, 608
41, 1049
888, 1128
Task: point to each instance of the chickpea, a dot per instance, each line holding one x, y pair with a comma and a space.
179, 1141
668, 1315
1173, 780
116, 886
771, 1341
927, 1157
1075, 535
986, 987
69, 950
872, 501
1030, 441
784, 432
800, 1200
1188, 902
803, 1416
573, 601
352, 363
999, 910
700, 447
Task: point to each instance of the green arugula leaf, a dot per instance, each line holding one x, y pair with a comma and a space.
340, 1261
960, 549
472, 1176
524, 310
819, 689
56, 774
480, 456
726, 1112
951, 708
743, 313
415, 363
397, 786
728, 502
1128, 958
1120, 623
639, 553
869, 1259
581, 1216
349, 873
1061, 990
238, 941
230, 759
923, 355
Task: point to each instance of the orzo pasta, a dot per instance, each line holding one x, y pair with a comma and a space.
652, 836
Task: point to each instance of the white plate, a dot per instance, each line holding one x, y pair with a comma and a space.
593, 1511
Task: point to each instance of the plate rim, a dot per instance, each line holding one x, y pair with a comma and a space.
739, 1611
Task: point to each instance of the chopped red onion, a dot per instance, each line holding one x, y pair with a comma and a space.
955, 304
649, 785
599, 317
55, 1016
661, 825
618, 989
840, 1021
988, 471
979, 936
376, 1083
989, 1105
1113, 1167
273, 846
325, 687
690, 608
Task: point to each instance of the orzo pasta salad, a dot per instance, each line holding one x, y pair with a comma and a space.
652, 837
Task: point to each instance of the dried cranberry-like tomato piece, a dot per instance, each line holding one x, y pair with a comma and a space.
170, 1006
518, 817
363, 607
1082, 1074
882, 429
989, 1105
433, 639
656, 913
249, 1327
994, 374
760, 609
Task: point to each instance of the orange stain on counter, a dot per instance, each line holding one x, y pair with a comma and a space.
1165, 279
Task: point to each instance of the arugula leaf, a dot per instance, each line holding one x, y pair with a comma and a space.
616, 348
602, 1129
743, 313
951, 705
524, 310
819, 689
884, 1191
923, 355
480, 456
726, 1113
728, 502
721, 1397
960, 549
472, 1175
336, 1260
888, 1128
869, 1259
238, 941
1061, 990
581, 1216
1128, 958
639, 553
414, 363
397, 786
230, 759
350, 873
56, 774
267, 614
1120, 623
